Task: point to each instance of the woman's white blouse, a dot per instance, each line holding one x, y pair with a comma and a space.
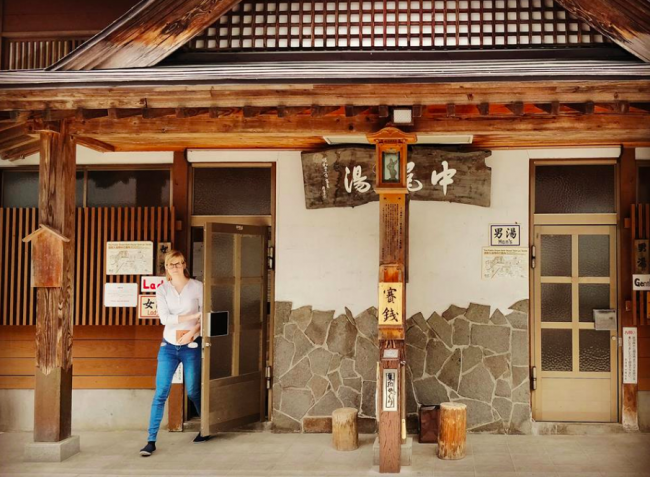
172, 304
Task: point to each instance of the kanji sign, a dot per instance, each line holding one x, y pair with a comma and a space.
641, 256
149, 284
390, 304
147, 306
390, 390
505, 235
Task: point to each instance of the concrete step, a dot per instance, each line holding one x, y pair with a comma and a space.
194, 425
577, 428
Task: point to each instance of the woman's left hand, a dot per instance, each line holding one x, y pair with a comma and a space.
186, 338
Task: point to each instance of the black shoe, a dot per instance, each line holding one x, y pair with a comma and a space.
201, 438
149, 449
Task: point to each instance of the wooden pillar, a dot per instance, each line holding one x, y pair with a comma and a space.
393, 236
54, 306
181, 204
627, 188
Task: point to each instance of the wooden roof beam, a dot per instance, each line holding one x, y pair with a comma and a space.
94, 144
22, 151
146, 34
552, 108
625, 22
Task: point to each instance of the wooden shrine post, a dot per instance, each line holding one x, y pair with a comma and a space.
54, 305
391, 159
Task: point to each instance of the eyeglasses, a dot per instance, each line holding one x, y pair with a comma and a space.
176, 265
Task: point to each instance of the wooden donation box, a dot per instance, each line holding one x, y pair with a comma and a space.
391, 186
47, 257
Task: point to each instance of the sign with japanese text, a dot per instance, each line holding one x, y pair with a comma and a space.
504, 262
505, 235
161, 250
147, 306
640, 282
121, 294
149, 284
390, 304
630, 357
129, 258
641, 255
390, 390
344, 176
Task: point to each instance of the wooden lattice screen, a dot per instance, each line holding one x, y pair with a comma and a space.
640, 232
95, 226
26, 54
276, 25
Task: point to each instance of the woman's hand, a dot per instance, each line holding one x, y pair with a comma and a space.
186, 338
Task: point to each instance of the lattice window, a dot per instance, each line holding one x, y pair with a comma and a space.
38, 53
269, 25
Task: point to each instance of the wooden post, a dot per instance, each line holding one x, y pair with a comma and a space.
627, 188
54, 306
345, 435
452, 434
181, 204
391, 152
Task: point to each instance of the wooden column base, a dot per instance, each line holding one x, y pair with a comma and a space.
53, 405
453, 431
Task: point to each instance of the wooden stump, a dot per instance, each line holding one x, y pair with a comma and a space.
453, 431
345, 436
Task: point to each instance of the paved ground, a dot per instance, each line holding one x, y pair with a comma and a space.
276, 455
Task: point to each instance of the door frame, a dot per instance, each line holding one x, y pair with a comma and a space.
612, 219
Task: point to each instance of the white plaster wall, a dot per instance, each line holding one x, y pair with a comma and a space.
92, 410
86, 157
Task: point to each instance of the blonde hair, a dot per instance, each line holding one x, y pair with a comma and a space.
171, 255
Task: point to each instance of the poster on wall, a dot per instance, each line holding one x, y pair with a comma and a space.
505, 235
129, 258
147, 307
630, 356
390, 304
161, 250
390, 390
504, 262
121, 295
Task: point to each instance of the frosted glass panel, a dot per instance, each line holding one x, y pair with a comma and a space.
222, 255
556, 302
556, 255
249, 351
594, 351
592, 297
223, 299
557, 351
575, 189
221, 357
593, 255
251, 298
252, 264
232, 191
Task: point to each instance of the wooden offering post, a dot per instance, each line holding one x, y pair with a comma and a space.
391, 186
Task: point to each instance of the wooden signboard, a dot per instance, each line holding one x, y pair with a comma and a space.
641, 256
47, 257
147, 306
390, 304
343, 176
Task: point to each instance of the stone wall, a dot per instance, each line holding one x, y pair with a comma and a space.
468, 355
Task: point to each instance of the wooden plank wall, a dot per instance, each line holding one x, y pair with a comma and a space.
94, 227
105, 357
644, 358
641, 230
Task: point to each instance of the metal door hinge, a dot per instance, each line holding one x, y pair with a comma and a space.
270, 257
269, 375
533, 255
533, 378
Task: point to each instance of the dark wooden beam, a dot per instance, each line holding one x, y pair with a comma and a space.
642, 106
22, 151
221, 112
95, 144
16, 142
550, 108
625, 22
418, 110
190, 112
87, 114
451, 110
320, 111
54, 306
516, 108
483, 109
146, 34
150, 113
583, 108
119, 113
383, 111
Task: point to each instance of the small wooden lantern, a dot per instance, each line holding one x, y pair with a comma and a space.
391, 158
47, 257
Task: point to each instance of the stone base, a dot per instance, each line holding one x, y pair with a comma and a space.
407, 452
52, 451
576, 428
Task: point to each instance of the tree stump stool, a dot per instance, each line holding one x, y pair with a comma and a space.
345, 435
452, 433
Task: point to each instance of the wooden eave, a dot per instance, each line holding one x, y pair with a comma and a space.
45, 229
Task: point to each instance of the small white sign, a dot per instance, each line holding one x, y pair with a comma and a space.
121, 295
391, 394
129, 258
641, 282
149, 284
630, 356
504, 262
178, 374
505, 235
147, 307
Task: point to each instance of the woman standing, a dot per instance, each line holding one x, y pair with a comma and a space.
180, 301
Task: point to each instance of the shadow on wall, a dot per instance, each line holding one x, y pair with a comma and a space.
467, 355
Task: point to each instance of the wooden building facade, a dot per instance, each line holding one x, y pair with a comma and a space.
257, 114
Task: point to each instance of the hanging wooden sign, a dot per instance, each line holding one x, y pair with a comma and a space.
344, 176
641, 255
390, 304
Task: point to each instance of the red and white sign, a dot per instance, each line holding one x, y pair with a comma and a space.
149, 284
147, 306
630, 356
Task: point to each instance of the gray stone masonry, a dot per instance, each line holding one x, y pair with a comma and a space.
471, 355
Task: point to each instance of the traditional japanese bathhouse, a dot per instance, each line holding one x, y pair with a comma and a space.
245, 134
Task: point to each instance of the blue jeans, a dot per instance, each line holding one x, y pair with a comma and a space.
169, 357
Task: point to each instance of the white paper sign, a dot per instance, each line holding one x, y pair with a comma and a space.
390, 390
630, 356
505, 235
178, 374
147, 307
641, 282
121, 294
504, 262
149, 284
129, 258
